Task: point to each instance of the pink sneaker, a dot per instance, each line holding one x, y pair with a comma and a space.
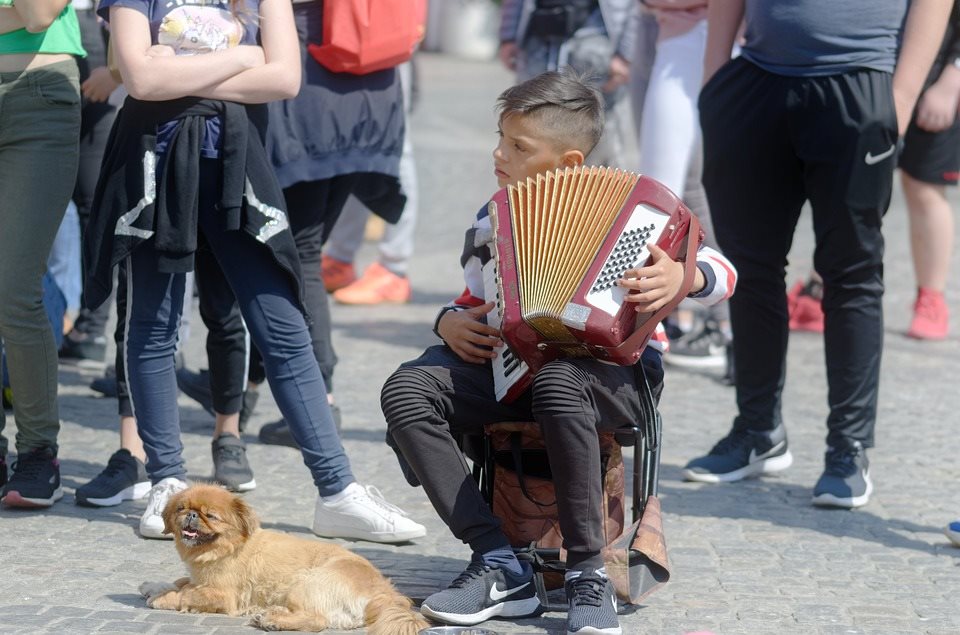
377, 285
336, 274
806, 314
931, 317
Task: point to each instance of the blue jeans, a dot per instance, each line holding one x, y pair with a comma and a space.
270, 308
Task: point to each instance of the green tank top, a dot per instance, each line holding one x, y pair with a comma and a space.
63, 36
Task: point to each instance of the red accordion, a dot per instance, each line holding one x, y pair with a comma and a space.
562, 241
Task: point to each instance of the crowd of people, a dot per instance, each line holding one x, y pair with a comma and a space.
226, 163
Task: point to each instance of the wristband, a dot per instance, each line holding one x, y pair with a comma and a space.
444, 311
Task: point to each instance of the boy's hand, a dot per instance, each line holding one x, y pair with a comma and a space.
653, 286
467, 336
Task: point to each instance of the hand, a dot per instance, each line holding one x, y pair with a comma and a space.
619, 74
99, 85
508, 54
937, 107
467, 336
653, 286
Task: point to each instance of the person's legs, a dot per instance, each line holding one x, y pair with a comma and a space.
849, 195
428, 403
671, 128
39, 125
755, 202
929, 163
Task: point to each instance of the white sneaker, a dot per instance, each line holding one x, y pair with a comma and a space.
361, 513
151, 523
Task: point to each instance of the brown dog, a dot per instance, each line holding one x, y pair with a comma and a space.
284, 582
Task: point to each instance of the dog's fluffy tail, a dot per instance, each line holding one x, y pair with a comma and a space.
389, 613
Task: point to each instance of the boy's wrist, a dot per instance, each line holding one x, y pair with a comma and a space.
443, 311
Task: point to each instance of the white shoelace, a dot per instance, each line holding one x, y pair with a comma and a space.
159, 495
374, 494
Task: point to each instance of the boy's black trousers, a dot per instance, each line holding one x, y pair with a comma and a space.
772, 143
430, 401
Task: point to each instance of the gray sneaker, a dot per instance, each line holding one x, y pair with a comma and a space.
230, 466
845, 481
482, 592
592, 605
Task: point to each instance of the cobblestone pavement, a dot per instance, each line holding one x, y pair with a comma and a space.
752, 557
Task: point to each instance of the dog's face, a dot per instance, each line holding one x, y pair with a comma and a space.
208, 522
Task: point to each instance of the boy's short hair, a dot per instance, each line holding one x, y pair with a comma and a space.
570, 109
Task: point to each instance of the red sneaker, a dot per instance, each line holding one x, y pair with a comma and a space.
931, 317
806, 314
377, 285
336, 274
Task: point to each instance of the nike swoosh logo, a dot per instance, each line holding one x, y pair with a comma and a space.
871, 159
496, 594
757, 457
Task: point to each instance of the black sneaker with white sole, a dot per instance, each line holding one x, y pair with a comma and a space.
741, 454
230, 466
592, 606
482, 592
845, 481
35, 481
123, 479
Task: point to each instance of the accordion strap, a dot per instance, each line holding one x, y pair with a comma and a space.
689, 270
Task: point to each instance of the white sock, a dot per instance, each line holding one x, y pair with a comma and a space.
352, 488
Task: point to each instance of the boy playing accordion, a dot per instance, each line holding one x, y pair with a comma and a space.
548, 122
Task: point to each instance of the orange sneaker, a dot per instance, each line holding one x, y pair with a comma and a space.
336, 274
806, 314
377, 285
931, 317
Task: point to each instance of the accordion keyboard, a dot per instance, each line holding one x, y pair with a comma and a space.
508, 368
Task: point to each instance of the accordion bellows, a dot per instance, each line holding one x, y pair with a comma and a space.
563, 239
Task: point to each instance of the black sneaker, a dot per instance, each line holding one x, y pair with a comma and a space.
107, 384
35, 481
250, 398
482, 592
704, 348
278, 432
88, 349
196, 386
592, 605
230, 466
740, 454
123, 479
845, 481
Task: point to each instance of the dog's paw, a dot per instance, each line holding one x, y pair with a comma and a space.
262, 622
152, 589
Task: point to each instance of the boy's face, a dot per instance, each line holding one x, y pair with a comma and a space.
524, 151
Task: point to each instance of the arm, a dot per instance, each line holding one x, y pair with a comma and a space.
509, 23
937, 108
279, 77
922, 34
38, 15
654, 285
724, 20
152, 77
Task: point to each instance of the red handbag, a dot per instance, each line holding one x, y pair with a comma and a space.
363, 36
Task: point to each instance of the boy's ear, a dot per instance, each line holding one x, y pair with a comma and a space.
572, 159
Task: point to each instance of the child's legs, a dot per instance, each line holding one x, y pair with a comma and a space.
272, 314
426, 402
670, 127
39, 127
154, 302
572, 399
